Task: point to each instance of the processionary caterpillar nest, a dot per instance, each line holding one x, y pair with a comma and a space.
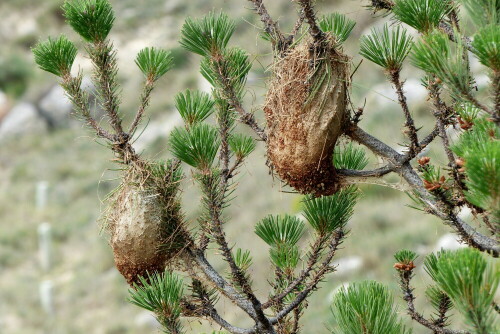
305, 109
144, 220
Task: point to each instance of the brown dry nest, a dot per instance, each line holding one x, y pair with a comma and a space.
305, 109
144, 220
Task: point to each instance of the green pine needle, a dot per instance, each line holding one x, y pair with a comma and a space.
438, 299
483, 12
468, 112
387, 49
328, 213
194, 106
55, 56
232, 68
339, 25
243, 259
480, 149
405, 256
366, 307
207, 36
423, 15
486, 46
91, 19
278, 229
285, 256
160, 293
154, 63
241, 145
471, 282
197, 146
350, 157
435, 54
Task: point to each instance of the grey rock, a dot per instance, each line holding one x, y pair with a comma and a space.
56, 107
22, 119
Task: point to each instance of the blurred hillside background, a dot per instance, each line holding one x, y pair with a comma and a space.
44, 150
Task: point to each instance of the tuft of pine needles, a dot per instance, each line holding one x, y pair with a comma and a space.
486, 46
349, 157
154, 62
339, 25
280, 229
208, 35
328, 213
197, 146
423, 15
366, 307
471, 283
387, 48
241, 145
91, 19
194, 106
55, 55
161, 294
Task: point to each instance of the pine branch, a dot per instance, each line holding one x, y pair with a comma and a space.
410, 124
237, 275
235, 102
435, 206
278, 40
72, 87
103, 57
441, 112
144, 103
314, 255
310, 17
324, 268
405, 278
220, 283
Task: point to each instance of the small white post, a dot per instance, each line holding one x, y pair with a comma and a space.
42, 188
45, 246
46, 290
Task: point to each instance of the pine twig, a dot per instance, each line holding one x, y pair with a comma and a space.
435, 206
410, 124
324, 268
316, 249
72, 86
310, 17
270, 26
405, 278
144, 103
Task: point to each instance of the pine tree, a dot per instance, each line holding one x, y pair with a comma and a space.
146, 210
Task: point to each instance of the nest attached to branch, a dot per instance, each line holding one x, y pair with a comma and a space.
144, 220
305, 109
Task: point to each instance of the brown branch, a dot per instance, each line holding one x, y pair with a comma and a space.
435, 206
103, 57
220, 283
270, 26
444, 212
324, 268
215, 203
405, 277
366, 173
145, 98
72, 87
410, 124
228, 90
316, 249
310, 18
